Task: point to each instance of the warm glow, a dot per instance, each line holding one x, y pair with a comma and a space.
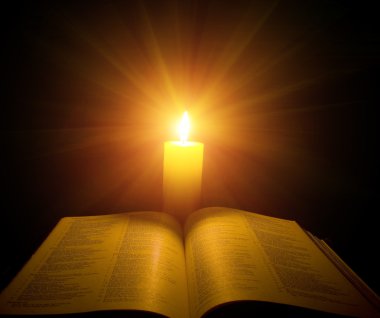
140, 66
184, 127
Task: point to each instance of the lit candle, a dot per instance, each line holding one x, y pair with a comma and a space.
182, 179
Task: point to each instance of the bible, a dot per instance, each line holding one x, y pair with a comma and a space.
221, 258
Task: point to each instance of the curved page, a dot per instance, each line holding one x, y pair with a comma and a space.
234, 255
110, 262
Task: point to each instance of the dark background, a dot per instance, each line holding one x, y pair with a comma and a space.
283, 94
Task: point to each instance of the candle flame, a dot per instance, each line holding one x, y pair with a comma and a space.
184, 127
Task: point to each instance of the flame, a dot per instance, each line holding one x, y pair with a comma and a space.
184, 127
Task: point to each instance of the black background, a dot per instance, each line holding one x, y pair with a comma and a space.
79, 138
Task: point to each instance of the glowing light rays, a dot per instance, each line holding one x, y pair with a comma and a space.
153, 67
239, 40
159, 60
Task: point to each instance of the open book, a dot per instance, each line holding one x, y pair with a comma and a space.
146, 261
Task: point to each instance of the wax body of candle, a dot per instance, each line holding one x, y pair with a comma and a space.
182, 179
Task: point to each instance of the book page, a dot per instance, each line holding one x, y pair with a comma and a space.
234, 255
365, 290
110, 262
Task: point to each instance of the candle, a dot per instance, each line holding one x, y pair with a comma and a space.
182, 178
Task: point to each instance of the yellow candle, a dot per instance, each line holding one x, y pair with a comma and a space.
182, 179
